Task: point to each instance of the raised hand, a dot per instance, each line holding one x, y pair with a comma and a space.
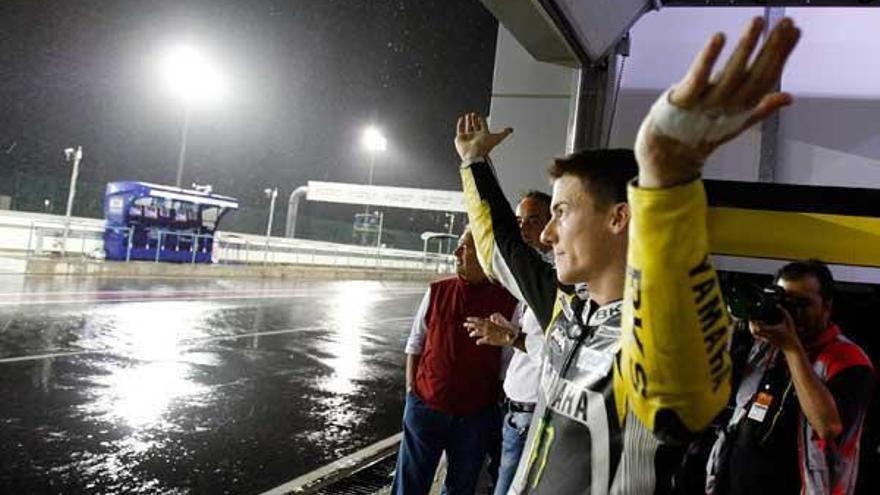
473, 139
710, 111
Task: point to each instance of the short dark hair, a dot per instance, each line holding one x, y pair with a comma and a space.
537, 196
604, 172
797, 270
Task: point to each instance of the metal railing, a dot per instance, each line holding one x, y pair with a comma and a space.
236, 248
160, 246
85, 241
47, 238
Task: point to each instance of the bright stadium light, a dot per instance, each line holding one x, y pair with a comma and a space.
373, 140
191, 76
194, 80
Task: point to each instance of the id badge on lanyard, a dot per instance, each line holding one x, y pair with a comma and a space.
760, 406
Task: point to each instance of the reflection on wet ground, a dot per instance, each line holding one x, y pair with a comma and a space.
146, 386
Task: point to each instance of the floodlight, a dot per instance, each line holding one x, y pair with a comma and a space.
373, 140
191, 76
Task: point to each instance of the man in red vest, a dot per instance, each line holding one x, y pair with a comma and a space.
452, 383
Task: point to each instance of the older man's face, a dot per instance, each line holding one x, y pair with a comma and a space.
467, 266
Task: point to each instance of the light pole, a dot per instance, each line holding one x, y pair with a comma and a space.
73, 155
193, 79
271, 194
181, 156
373, 141
450, 217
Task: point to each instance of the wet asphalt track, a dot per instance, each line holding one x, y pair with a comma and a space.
162, 386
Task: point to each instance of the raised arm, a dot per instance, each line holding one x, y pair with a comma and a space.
675, 368
502, 252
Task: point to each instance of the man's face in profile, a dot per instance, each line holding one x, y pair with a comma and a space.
467, 266
578, 231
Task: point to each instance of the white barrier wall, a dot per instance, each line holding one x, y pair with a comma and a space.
24, 234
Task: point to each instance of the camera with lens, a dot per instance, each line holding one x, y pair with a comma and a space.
748, 300
766, 306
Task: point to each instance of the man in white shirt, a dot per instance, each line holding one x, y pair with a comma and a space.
526, 338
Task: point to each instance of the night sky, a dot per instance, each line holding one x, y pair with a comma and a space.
306, 78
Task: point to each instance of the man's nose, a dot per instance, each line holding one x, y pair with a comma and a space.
548, 235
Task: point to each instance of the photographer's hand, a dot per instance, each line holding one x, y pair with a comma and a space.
473, 139
783, 336
740, 90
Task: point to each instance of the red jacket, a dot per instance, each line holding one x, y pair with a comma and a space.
455, 376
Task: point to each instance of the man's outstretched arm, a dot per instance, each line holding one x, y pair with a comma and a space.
674, 366
502, 252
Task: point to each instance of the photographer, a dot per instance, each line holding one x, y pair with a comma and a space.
802, 400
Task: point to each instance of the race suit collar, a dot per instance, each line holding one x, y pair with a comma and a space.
580, 310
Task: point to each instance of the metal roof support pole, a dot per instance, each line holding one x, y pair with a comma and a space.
293, 210
770, 127
593, 104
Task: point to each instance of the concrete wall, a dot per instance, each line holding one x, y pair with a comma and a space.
533, 98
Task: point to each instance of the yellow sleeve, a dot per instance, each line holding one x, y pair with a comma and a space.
674, 371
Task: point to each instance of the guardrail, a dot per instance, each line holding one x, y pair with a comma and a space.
327, 478
43, 235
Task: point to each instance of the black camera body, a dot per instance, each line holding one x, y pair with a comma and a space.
766, 307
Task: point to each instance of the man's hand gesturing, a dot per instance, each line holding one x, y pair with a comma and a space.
495, 330
710, 111
473, 139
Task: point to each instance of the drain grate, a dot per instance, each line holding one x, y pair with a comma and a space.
366, 481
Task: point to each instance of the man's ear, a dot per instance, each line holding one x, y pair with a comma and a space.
618, 217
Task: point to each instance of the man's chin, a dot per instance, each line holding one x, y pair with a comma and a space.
565, 278
569, 277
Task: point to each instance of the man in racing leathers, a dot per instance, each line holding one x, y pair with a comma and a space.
629, 373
